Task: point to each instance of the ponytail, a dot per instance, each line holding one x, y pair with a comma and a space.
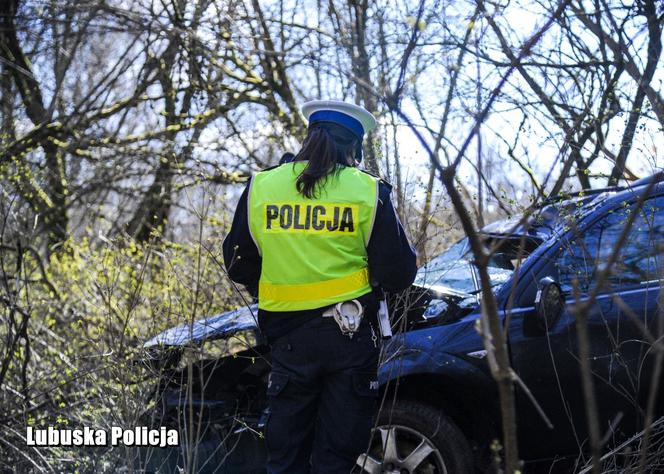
326, 146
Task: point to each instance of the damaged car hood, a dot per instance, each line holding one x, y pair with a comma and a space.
214, 327
227, 324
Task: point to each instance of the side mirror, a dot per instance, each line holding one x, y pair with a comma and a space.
549, 303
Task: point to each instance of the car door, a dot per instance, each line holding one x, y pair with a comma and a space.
548, 360
636, 281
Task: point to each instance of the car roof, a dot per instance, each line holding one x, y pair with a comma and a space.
554, 210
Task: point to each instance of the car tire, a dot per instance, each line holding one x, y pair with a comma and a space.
413, 438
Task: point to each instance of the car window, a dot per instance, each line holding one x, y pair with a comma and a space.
454, 269
451, 268
639, 260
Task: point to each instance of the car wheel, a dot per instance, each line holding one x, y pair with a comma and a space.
413, 438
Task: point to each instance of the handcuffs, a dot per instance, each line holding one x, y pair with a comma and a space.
348, 316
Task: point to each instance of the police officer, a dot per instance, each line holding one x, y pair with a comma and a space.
308, 235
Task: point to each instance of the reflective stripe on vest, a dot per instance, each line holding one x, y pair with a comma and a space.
313, 250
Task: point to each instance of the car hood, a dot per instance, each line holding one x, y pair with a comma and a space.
227, 324
215, 327
444, 292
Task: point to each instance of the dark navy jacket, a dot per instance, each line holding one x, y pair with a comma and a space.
392, 262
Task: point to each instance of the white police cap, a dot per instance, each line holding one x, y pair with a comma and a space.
353, 117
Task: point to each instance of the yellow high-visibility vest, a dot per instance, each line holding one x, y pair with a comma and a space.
313, 250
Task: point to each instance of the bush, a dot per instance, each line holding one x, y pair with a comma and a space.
73, 327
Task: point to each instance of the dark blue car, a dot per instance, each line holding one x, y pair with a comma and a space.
440, 406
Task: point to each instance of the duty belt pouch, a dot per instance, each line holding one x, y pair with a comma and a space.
384, 320
348, 315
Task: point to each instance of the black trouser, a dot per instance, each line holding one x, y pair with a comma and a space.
322, 394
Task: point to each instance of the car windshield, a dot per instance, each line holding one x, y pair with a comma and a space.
453, 269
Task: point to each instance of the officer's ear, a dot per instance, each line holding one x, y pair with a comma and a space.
354, 154
358, 153
352, 161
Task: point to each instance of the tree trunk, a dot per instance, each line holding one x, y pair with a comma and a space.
50, 203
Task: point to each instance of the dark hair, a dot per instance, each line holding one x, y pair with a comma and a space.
327, 145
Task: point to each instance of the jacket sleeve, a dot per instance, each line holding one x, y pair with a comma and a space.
392, 260
241, 256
